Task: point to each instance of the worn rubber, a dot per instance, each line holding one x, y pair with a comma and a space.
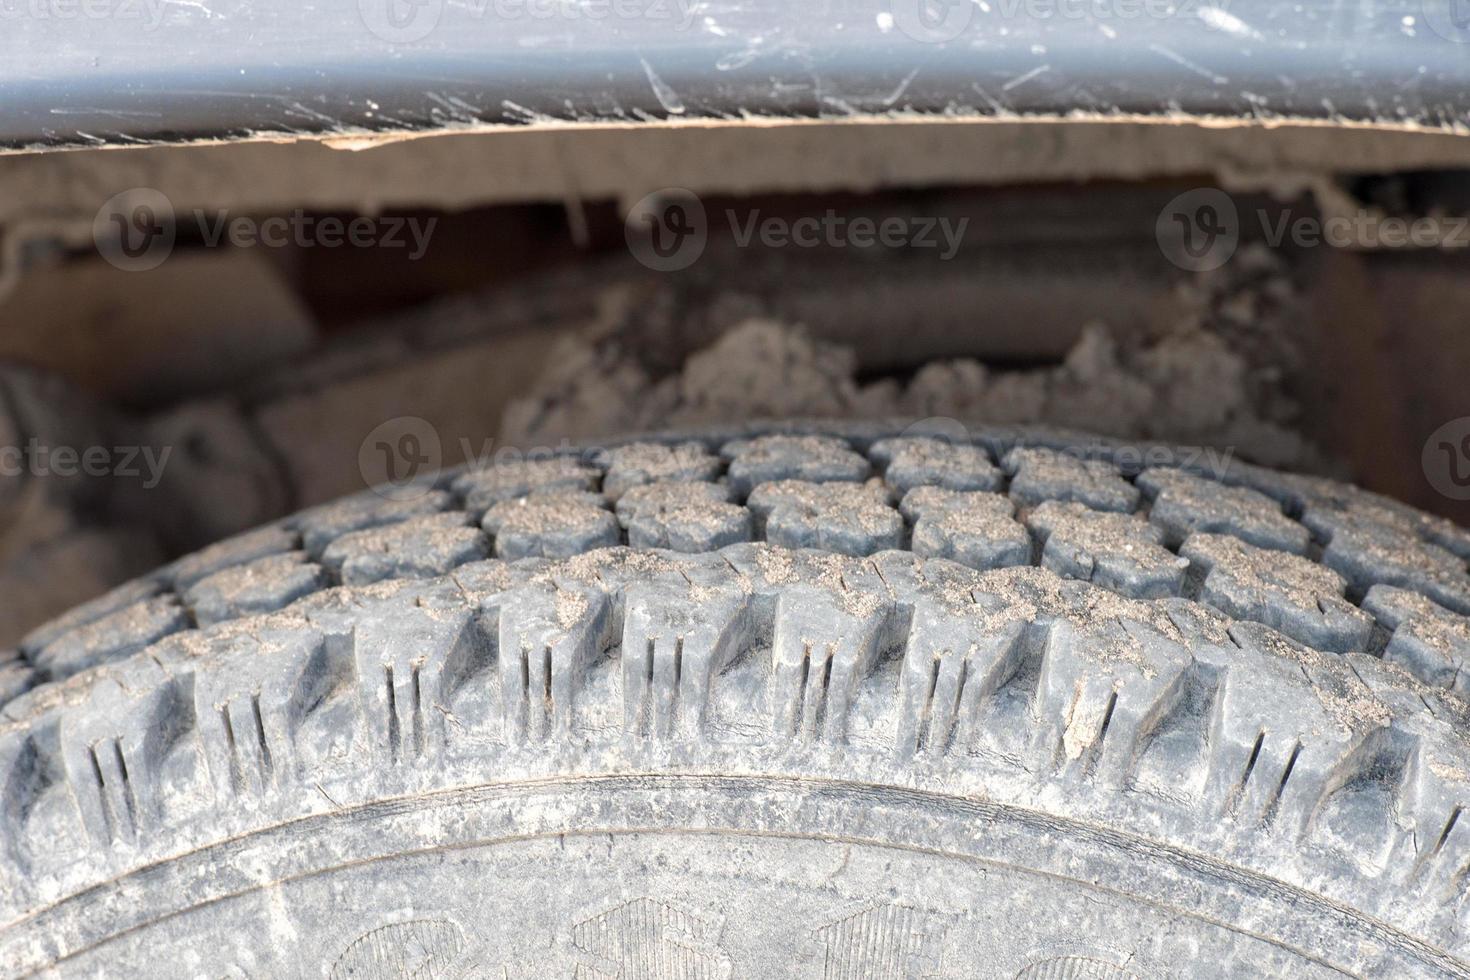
831, 702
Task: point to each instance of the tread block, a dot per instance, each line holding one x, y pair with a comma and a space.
1172, 758
1275, 754
550, 525
1287, 592
548, 634
925, 462
1106, 681
1038, 475
315, 705
242, 548
974, 529
1425, 639
612, 570
260, 586
41, 815
133, 756
1431, 800
1371, 548
686, 517
1185, 504
114, 637
480, 489
1120, 552
275, 705
116, 794
844, 518
825, 641
320, 526
128, 594
956, 656
676, 638
419, 547
643, 463
1327, 505
811, 459
422, 678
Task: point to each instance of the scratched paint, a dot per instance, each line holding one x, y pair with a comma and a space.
150, 71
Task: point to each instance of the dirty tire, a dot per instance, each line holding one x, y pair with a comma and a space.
828, 702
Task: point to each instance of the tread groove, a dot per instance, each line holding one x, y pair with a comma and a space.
129, 801
524, 706
418, 708
267, 767
548, 702
1245, 777
392, 705
645, 713
1102, 731
237, 776
803, 677
959, 700
1444, 835
1274, 803
925, 734
109, 819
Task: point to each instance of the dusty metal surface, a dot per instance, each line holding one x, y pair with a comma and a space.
90, 72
